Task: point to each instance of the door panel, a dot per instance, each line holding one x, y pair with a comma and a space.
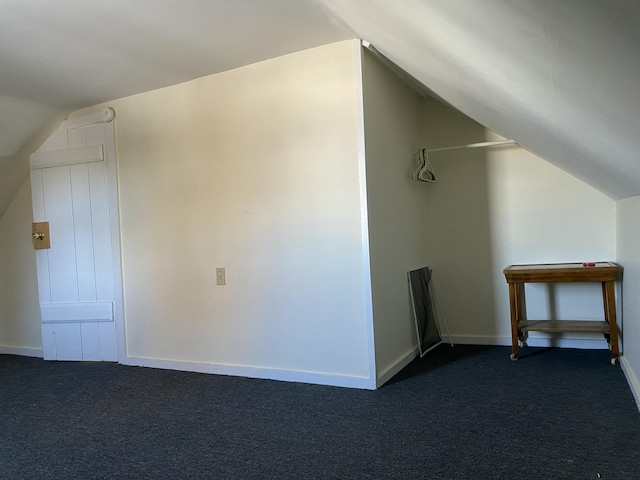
48, 342
90, 336
70, 180
68, 341
102, 232
58, 140
108, 341
42, 256
83, 232
58, 206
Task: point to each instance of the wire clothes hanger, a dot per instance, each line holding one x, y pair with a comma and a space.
425, 172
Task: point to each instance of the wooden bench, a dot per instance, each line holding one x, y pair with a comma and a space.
604, 272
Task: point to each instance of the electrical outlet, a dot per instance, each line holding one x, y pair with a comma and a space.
221, 277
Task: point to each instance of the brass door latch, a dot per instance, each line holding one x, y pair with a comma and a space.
40, 235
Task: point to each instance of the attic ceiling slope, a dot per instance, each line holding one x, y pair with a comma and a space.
558, 77
19, 120
64, 55
76, 54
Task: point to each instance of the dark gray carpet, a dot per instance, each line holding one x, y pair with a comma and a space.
466, 412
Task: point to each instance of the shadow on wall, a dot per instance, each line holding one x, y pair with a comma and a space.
459, 239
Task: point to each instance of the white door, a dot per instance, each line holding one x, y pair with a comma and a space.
73, 181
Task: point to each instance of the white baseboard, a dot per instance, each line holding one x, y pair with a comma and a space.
583, 343
632, 380
23, 351
253, 372
396, 366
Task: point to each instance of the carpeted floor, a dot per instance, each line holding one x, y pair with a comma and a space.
459, 413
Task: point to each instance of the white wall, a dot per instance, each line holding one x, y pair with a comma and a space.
540, 214
19, 310
255, 170
501, 206
628, 222
14, 168
458, 230
13, 172
395, 210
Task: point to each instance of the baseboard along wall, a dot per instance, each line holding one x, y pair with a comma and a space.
347, 381
22, 351
632, 380
253, 372
396, 366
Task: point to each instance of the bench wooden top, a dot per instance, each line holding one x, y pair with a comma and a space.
562, 272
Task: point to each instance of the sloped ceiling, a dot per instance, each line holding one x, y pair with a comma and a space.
68, 54
59, 56
560, 77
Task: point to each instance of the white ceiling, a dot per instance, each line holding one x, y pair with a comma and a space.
560, 77
68, 54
